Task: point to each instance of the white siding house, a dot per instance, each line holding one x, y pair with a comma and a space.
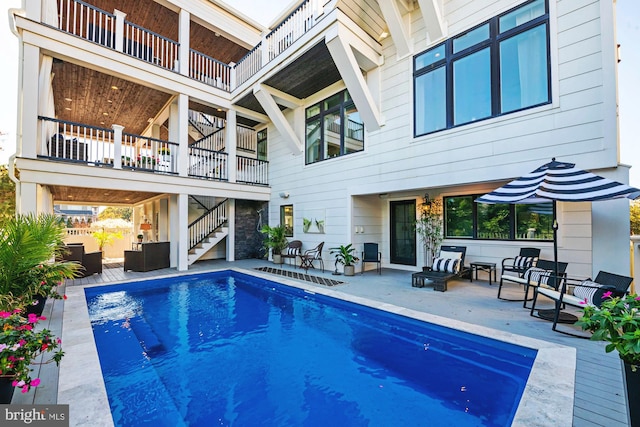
367, 106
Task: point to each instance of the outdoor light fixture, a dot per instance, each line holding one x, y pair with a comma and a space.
284, 195
426, 201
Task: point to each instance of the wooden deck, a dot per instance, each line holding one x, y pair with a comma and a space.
599, 395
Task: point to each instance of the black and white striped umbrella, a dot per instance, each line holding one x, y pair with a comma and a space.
559, 181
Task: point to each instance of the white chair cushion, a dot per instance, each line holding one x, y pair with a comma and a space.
450, 255
568, 299
446, 265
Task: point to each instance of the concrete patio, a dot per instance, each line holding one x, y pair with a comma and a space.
599, 398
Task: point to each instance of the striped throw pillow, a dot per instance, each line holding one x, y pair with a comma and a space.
446, 265
523, 262
537, 275
591, 292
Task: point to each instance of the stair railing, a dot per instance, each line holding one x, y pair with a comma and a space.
207, 223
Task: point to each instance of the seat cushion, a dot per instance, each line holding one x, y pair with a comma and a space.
446, 265
591, 292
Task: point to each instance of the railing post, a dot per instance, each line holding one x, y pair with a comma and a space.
232, 76
120, 17
117, 146
266, 49
231, 142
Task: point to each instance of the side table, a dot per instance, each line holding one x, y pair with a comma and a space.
489, 267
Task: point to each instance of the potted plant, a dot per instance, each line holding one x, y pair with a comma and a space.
105, 238
20, 345
275, 240
345, 256
140, 237
617, 321
429, 228
28, 244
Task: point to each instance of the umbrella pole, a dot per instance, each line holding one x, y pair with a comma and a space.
555, 241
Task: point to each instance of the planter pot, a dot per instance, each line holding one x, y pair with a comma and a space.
6, 390
277, 259
349, 270
632, 388
37, 308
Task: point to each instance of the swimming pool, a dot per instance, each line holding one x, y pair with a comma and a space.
259, 353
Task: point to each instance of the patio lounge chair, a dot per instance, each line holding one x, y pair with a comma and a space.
371, 254
542, 275
311, 255
521, 263
585, 292
91, 262
292, 251
448, 265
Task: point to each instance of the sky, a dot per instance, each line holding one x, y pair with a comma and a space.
264, 12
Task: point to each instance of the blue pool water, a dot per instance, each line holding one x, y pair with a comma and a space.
226, 348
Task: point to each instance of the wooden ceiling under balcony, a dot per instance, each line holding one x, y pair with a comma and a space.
97, 196
88, 97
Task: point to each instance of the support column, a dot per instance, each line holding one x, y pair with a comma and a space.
179, 131
231, 142
28, 198
183, 38
178, 231
28, 133
120, 18
231, 223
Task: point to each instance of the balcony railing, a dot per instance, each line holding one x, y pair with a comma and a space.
93, 24
90, 145
150, 47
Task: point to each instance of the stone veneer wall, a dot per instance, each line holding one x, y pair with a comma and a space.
248, 239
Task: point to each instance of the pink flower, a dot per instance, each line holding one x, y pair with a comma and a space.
5, 314
2, 346
17, 383
32, 318
22, 342
64, 296
607, 294
637, 298
35, 382
25, 388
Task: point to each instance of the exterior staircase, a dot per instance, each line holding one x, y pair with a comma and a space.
208, 229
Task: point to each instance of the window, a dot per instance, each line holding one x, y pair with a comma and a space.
498, 67
333, 128
463, 218
261, 145
286, 219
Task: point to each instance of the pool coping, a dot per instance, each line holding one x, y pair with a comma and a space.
548, 398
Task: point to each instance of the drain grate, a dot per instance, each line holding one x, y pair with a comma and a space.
300, 276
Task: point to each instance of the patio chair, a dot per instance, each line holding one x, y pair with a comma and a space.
91, 262
585, 292
292, 251
542, 275
447, 266
311, 255
521, 263
371, 254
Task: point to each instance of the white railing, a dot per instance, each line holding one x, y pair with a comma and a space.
150, 154
87, 21
208, 164
76, 142
250, 64
210, 221
291, 29
252, 171
247, 139
96, 25
149, 46
209, 70
212, 142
